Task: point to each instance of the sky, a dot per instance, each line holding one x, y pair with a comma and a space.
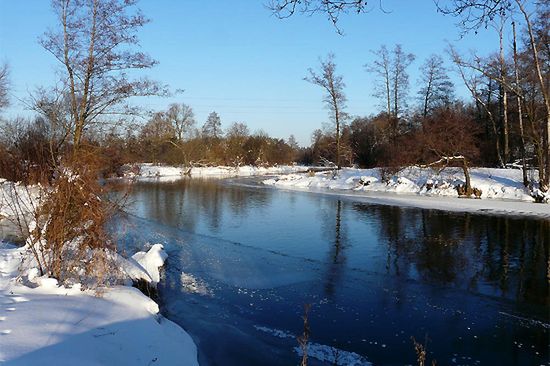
236, 58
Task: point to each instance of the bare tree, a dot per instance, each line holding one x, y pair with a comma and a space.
545, 91
95, 45
235, 140
393, 84
332, 8
182, 118
519, 101
381, 67
400, 78
472, 83
477, 13
474, 14
503, 89
436, 89
335, 99
4, 85
449, 138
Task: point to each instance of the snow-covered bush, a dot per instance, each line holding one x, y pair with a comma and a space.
66, 232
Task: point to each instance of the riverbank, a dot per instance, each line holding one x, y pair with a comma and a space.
43, 323
164, 172
502, 189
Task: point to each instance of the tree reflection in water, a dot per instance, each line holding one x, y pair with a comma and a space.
501, 256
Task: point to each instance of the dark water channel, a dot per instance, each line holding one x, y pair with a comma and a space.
244, 261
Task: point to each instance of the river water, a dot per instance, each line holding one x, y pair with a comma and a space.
245, 259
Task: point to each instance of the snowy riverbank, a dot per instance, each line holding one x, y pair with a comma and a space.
43, 323
175, 172
502, 190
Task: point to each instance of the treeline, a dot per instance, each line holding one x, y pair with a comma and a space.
29, 147
172, 137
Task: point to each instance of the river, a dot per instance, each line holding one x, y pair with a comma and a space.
245, 259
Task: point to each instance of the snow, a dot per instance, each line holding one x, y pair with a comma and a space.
152, 261
43, 323
11, 193
192, 285
172, 172
502, 189
330, 355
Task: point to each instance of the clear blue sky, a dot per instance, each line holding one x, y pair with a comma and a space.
234, 57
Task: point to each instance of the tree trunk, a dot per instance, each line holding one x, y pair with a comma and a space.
467, 179
337, 117
503, 95
520, 111
545, 163
493, 123
506, 152
388, 93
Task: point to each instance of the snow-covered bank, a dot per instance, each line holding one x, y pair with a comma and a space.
174, 172
502, 190
43, 323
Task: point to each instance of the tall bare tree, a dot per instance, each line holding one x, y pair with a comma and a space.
335, 99
436, 89
95, 42
503, 89
477, 13
381, 67
393, 83
400, 78
472, 81
519, 102
182, 118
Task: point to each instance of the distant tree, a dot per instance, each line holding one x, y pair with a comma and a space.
400, 79
158, 128
95, 45
370, 140
393, 79
393, 82
4, 84
293, 143
382, 68
236, 137
212, 128
436, 88
335, 99
237, 130
157, 135
182, 118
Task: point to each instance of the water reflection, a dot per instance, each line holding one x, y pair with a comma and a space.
169, 202
501, 256
376, 274
337, 258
